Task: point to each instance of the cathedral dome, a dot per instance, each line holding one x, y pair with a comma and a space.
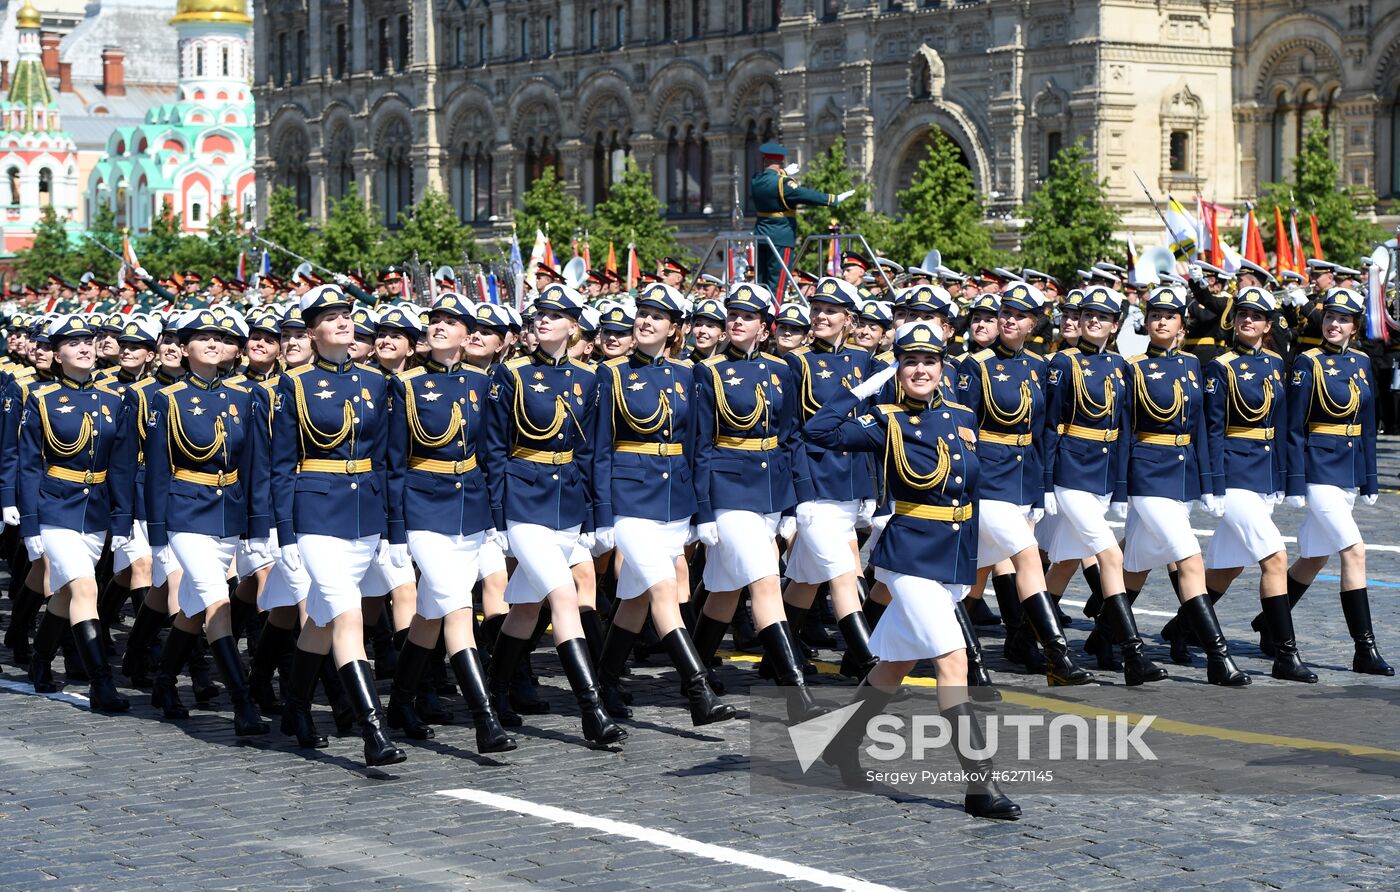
28, 16
234, 12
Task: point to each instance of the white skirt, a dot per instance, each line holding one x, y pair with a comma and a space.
1003, 530
448, 567
136, 548
821, 550
245, 564
649, 550
383, 577
490, 559
72, 555
1158, 532
1246, 534
1080, 529
205, 560
543, 557
337, 568
283, 588
1329, 526
745, 552
919, 624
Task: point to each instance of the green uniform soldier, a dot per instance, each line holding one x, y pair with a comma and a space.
776, 197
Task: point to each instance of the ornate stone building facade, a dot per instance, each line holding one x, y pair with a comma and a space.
475, 98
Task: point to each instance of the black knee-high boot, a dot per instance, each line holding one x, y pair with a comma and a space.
617, 647
705, 707
707, 635
1020, 644
25, 606
1117, 614
1220, 669
428, 704
486, 638
524, 691
381, 636
857, 661
342, 710
407, 673
1040, 617
787, 668
1095, 583
506, 657
979, 680
745, 636
598, 727
873, 610
136, 662
205, 689
843, 751
246, 721
977, 611
1357, 609
296, 714
165, 691
795, 616
984, 798
593, 632
471, 678
273, 643
1288, 665
47, 639
102, 691
1178, 632
109, 609
1296, 590
358, 681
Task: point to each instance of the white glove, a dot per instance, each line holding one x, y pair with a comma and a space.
1118, 510
10, 515
34, 547
498, 539
787, 526
291, 557
1275, 498
1213, 504
865, 515
585, 540
1036, 515
1052, 504
1369, 500
1194, 271
259, 548
871, 386
606, 537
708, 533
1297, 297
118, 542
845, 195
792, 169
141, 271
1296, 501
398, 555
342, 279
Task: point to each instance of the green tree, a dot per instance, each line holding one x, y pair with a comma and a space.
1069, 221
830, 172
1342, 211
550, 208
942, 209
50, 254
286, 224
223, 243
103, 228
631, 213
430, 229
353, 239
160, 249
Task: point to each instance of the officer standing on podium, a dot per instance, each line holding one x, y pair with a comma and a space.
776, 197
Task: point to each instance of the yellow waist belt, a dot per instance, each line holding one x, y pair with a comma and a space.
933, 512
1165, 439
440, 466
72, 476
1081, 432
223, 478
331, 466
1004, 439
541, 456
748, 444
1341, 430
777, 213
649, 448
1249, 433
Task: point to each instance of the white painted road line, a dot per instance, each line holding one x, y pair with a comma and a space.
1206, 534
24, 687
1137, 611
785, 869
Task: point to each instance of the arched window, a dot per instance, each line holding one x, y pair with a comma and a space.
620, 26
549, 35
525, 38
539, 155
302, 60
383, 46
483, 48
610, 151
668, 21
196, 212
12, 178
592, 29
474, 184
339, 171
199, 61
342, 51
758, 133
688, 161
459, 47
45, 188
223, 65
1278, 138
398, 172
697, 8
405, 42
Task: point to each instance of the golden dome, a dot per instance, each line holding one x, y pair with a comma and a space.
233, 12
28, 16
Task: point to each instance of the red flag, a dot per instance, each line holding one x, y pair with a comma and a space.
1252, 240
1316, 239
587, 254
612, 259
1282, 257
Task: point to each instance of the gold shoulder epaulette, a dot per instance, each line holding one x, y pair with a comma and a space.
1268, 352
615, 362
300, 370
890, 408
713, 360
683, 362
586, 366
984, 354
173, 388
415, 372
773, 356
517, 362
366, 367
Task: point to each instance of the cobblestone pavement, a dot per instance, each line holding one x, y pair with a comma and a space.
132, 802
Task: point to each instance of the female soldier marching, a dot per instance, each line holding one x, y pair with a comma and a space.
76, 461
1332, 460
442, 505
